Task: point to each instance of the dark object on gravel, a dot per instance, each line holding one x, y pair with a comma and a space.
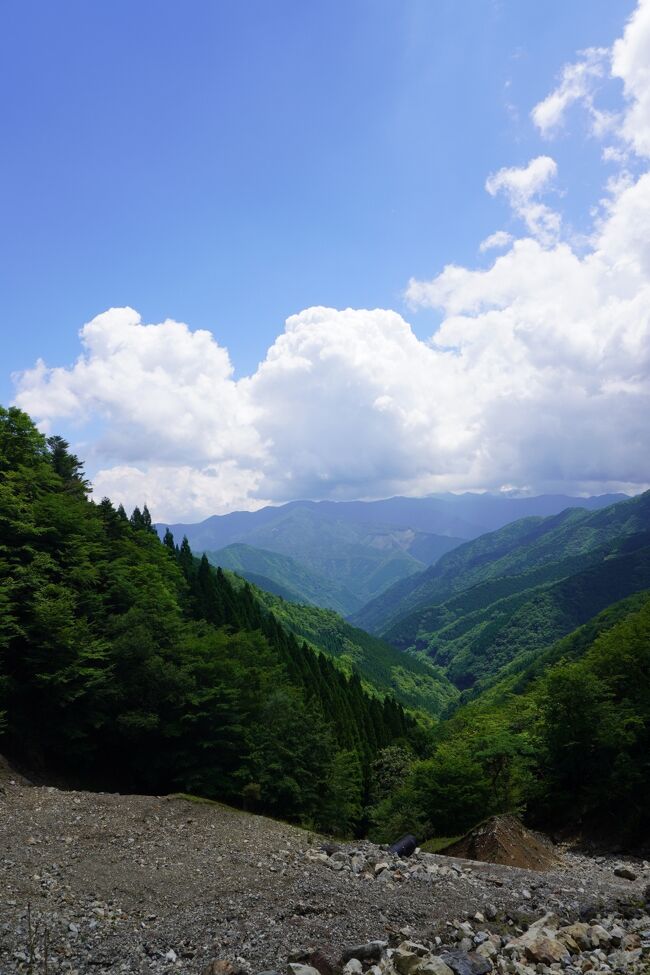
405, 846
371, 951
625, 873
466, 962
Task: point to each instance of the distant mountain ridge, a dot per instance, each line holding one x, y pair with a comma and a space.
516, 591
520, 547
351, 552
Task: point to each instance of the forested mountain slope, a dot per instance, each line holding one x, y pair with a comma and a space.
127, 664
564, 738
504, 557
474, 635
415, 682
284, 576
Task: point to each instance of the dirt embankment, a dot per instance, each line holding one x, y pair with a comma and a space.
503, 839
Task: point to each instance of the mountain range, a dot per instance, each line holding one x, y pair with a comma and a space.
517, 590
343, 554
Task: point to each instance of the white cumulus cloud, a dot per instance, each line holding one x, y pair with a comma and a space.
631, 63
577, 83
497, 240
522, 185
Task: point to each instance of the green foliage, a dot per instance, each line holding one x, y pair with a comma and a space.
416, 683
510, 596
567, 742
342, 803
127, 663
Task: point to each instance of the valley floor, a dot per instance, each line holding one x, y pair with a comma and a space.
146, 884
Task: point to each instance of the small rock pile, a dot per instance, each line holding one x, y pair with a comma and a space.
486, 943
370, 862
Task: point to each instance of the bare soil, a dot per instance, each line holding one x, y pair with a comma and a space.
503, 839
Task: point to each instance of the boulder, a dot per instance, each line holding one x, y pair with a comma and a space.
578, 933
547, 951
466, 962
432, 965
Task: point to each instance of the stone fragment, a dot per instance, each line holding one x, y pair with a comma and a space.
432, 965
598, 936
358, 863
467, 962
578, 933
322, 959
547, 951
487, 950
408, 956
296, 968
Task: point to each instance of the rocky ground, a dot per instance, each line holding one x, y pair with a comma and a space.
114, 884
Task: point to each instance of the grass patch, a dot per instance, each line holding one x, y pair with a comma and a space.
197, 800
439, 843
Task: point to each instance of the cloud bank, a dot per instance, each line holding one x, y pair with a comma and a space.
537, 378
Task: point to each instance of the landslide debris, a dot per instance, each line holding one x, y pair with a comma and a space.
145, 884
505, 840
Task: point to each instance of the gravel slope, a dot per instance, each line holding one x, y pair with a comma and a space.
152, 884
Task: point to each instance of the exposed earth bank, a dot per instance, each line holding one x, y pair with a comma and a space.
111, 883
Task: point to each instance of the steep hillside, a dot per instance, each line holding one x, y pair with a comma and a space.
564, 737
414, 682
357, 561
127, 663
474, 645
516, 677
527, 546
287, 577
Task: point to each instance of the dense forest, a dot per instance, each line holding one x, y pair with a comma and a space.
565, 740
127, 663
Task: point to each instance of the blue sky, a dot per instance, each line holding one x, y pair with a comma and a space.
231, 164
